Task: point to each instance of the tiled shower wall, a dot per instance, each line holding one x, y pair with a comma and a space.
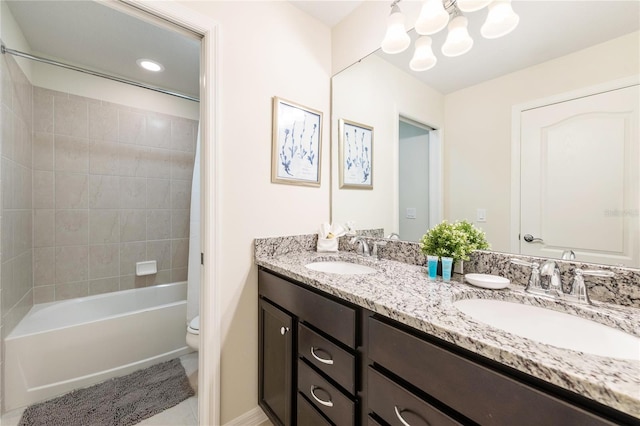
15, 184
111, 187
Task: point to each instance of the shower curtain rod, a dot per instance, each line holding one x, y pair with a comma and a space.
4, 50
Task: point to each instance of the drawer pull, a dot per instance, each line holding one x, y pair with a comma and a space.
402, 420
320, 401
284, 330
322, 360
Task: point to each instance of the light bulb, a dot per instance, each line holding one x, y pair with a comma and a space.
472, 5
458, 40
501, 20
432, 18
423, 57
396, 39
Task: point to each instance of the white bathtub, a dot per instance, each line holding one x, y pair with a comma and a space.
66, 345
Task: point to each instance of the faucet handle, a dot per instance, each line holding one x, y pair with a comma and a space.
578, 287
376, 245
534, 280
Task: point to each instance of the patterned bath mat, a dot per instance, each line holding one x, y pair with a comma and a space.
121, 401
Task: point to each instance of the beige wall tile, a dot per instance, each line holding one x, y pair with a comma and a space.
158, 194
43, 190
71, 117
44, 263
158, 224
42, 110
158, 131
43, 228
180, 194
103, 122
104, 192
162, 277
71, 154
182, 165
158, 163
7, 183
128, 282
72, 290
44, 294
104, 226
72, 190
104, 158
104, 260
7, 132
43, 151
180, 223
160, 251
133, 193
104, 285
131, 127
72, 227
72, 264
130, 253
178, 275
132, 161
8, 226
183, 135
23, 231
133, 225
179, 253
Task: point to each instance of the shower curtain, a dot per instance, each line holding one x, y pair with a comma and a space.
193, 280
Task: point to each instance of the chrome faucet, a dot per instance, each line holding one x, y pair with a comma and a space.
568, 255
363, 247
554, 287
578, 291
376, 245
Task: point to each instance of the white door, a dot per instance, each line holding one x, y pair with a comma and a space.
580, 179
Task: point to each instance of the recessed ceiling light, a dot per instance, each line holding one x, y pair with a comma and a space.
150, 65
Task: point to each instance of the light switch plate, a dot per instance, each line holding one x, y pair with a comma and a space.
411, 213
481, 215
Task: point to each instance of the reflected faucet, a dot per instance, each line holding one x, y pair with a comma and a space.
363, 247
393, 236
568, 255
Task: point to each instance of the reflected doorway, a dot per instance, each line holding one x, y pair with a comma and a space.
417, 175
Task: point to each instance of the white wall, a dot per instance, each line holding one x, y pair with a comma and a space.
266, 49
478, 127
13, 38
374, 82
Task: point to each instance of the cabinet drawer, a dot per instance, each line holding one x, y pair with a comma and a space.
397, 406
328, 357
455, 381
333, 318
309, 416
339, 408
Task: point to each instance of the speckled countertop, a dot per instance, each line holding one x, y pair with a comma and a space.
404, 293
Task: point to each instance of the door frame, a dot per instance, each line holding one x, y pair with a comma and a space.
210, 311
516, 111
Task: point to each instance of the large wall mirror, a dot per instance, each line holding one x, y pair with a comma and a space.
447, 142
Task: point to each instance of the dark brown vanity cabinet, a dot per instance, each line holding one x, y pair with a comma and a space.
309, 349
324, 361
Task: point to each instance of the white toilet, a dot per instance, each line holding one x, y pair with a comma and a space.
193, 333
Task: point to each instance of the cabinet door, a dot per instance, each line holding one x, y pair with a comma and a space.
275, 354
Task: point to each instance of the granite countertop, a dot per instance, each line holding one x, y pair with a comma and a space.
404, 293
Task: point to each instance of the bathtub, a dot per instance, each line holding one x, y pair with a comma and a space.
66, 345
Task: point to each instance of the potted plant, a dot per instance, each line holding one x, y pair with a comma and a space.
455, 240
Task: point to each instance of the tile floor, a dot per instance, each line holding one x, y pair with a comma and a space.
183, 414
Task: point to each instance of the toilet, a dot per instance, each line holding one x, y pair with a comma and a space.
193, 333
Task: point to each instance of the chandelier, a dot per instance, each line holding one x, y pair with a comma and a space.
437, 14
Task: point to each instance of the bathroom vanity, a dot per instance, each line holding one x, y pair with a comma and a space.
389, 348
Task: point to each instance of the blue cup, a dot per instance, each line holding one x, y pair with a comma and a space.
432, 265
447, 264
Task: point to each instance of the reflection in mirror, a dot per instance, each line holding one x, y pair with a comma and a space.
474, 158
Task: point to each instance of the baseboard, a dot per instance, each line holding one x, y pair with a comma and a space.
253, 417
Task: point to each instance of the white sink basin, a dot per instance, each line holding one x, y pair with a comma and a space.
343, 268
553, 328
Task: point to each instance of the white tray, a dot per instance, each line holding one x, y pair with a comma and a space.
493, 282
